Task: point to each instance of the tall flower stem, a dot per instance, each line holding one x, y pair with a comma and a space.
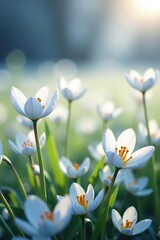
40, 158
83, 228
5, 226
16, 176
67, 129
106, 210
154, 173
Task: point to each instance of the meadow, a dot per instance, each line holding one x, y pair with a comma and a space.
42, 168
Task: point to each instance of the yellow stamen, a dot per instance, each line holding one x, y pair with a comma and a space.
127, 224
47, 216
76, 166
82, 201
27, 143
122, 152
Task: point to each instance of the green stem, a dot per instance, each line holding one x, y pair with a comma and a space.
5, 226
16, 175
7, 206
83, 228
106, 210
67, 130
40, 158
154, 173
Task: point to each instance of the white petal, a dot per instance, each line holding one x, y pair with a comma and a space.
74, 191
75, 85
115, 160
127, 231
96, 201
72, 172
51, 105
142, 226
85, 165
116, 219
128, 139
28, 151
33, 108
67, 93
44, 94
18, 100
131, 215
62, 83
90, 194
140, 157
108, 141
34, 208
80, 94
20, 139
78, 209
26, 227
63, 213
64, 163
143, 193
14, 147
142, 182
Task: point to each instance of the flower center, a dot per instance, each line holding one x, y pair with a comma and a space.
27, 143
47, 216
82, 201
127, 224
76, 166
122, 152
110, 178
40, 100
142, 80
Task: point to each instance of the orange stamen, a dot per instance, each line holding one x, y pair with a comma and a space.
82, 201
27, 143
127, 224
76, 166
122, 152
47, 216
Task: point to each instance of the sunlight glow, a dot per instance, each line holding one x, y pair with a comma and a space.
149, 6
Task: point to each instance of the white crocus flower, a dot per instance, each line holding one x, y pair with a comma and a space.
106, 176
71, 91
82, 202
25, 144
153, 129
142, 83
43, 223
107, 111
120, 153
136, 186
127, 224
74, 170
36, 107
96, 151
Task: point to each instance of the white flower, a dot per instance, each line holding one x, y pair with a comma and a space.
74, 170
153, 129
128, 225
107, 111
120, 153
26, 122
142, 83
25, 144
96, 151
43, 223
82, 202
36, 107
71, 91
106, 176
136, 186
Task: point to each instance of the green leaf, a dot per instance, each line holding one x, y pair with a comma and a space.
58, 175
94, 175
113, 196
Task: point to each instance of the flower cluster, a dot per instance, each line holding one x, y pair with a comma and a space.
65, 199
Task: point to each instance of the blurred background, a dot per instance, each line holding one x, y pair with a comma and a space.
101, 30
